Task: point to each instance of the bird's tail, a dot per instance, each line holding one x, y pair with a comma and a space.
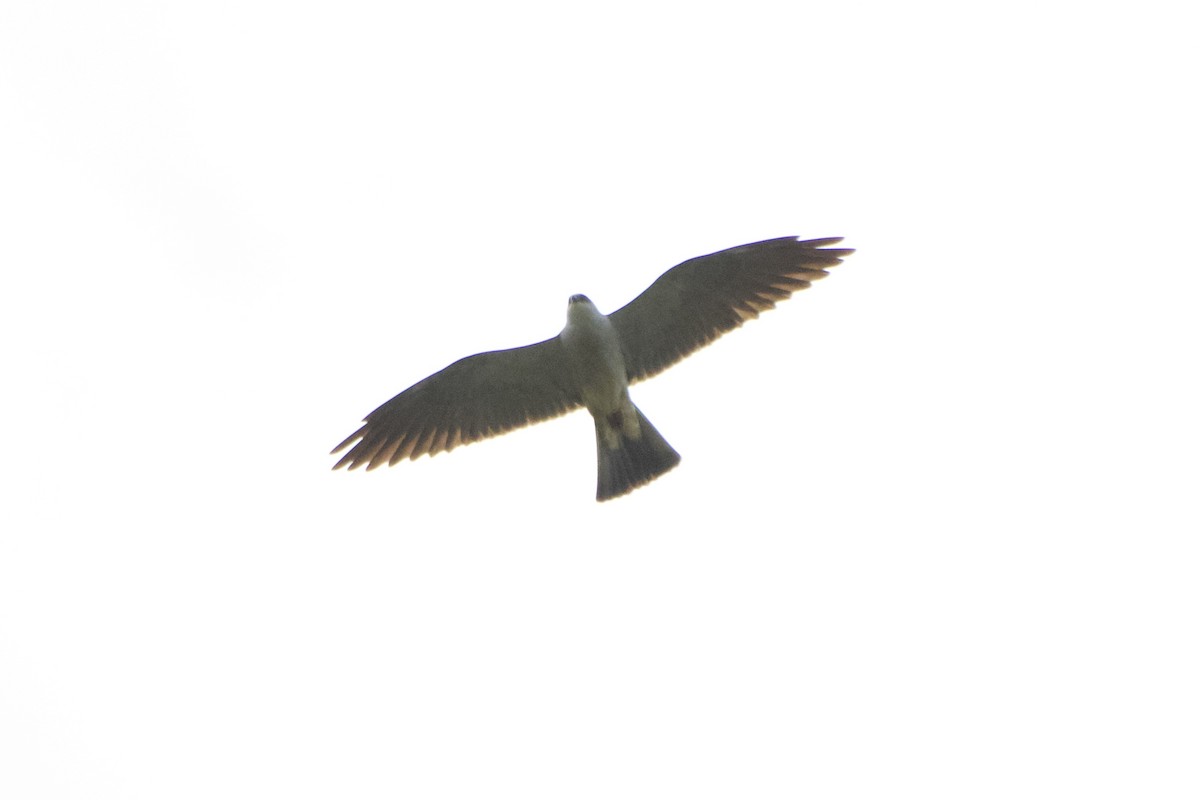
629, 456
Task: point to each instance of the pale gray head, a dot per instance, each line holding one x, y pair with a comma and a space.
581, 310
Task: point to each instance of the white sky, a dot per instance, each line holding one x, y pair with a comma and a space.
935, 530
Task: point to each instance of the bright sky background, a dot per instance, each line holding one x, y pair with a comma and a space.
935, 532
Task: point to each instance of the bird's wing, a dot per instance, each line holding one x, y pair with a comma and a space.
479, 396
693, 303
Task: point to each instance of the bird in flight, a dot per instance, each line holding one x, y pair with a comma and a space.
592, 363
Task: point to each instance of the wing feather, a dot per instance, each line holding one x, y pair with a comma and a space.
696, 302
476, 397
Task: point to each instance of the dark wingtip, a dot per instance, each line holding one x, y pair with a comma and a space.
822, 244
828, 240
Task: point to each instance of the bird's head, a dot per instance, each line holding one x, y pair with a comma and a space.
581, 309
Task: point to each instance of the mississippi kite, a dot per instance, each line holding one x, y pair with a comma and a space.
592, 363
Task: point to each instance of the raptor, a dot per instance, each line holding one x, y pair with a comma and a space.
592, 364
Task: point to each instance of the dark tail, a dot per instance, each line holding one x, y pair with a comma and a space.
634, 461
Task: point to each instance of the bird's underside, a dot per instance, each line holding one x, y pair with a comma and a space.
591, 363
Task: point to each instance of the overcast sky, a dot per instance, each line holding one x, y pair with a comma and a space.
935, 529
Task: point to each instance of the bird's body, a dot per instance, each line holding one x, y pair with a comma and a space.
591, 363
629, 451
594, 352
